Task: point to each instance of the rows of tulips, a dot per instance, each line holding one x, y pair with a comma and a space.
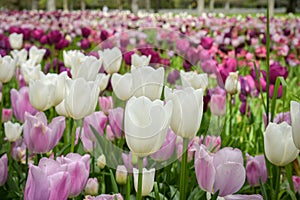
111, 105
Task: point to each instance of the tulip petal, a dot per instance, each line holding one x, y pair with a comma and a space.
295, 118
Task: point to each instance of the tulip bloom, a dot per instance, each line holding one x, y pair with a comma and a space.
48, 180
36, 55
295, 119
115, 117
105, 197
79, 169
98, 121
192, 79
146, 131
279, 146
256, 169
20, 56
72, 57
16, 40
6, 114
12, 131
296, 182
7, 68
218, 104
91, 187
140, 61
187, 110
232, 84
147, 180
112, 59
106, 103
39, 136
3, 169
121, 175
122, 85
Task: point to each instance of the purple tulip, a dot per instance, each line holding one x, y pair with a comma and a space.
79, 169
283, 117
173, 76
21, 104
109, 134
205, 55
213, 143
40, 137
209, 66
207, 42
127, 57
222, 171
230, 64
18, 150
218, 104
26, 33
277, 70
88, 145
98, 121
256, 169
167, 149
192, 55
84, 44
105, 197
296, 182
61, 44
104, 35
54, 36
85, 32
37, 34
115, 117
182, 46
44, 39
3, 169
49, 180
6, 114
106, 103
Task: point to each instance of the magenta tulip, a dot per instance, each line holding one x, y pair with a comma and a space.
296, 182
39, 136
207, 42
6, 114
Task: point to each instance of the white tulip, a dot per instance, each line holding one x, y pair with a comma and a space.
112, 59
279, 146
72, 57
148, 82
103, 80
20, 56
140, 61
36, 54
146, 124
30, 70
7, 68
232, 84
16, 40
147, 180
61, 110
295, 119
87, 68
122, 85
12, 131
81, 97
192, 79
121, 174
187, 110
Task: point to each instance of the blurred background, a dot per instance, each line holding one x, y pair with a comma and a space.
192, 6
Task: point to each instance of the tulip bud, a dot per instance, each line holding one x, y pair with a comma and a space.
296, 182
101, 161
6, 114
12, 131
218, 104
106, 103
147, 180
121, 175
112, 59
256, 169
232, 84
16, 40
3, 169
109, 133
91, 187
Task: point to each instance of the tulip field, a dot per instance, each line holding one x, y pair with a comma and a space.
111, 105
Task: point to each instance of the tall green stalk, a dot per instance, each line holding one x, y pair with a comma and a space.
73, 136
183, 169
140, 178
268, 63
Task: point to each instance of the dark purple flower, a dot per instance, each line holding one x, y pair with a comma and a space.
85, 44
37, 34
207, 42
104, 35
85, 32
54, 36
127, 57
173, 76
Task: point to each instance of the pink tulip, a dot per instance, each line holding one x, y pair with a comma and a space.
98, 121
213, 143
3, 169
106, 103
6, 114
222, 171
109, 134
49, 180
18, 150
296, 182
218, 104
115, 117
40, 137
105, 197
209, 66
207, 42
256, 169
167, 149
182, 46
79, 168
21, 104
88, 145
131, 163
179, 148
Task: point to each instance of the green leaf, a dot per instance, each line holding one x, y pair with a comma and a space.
215, 196
279, 80
113, 182
263, 190
289, 175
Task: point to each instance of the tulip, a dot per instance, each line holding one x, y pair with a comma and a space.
295, 117
296, 182
115, 117
122, 85
6, 114
167, 149
232, 85
192, 79
209, 66
48, 180
79, 168
12, 131
218, 104
91, 187
279, 146
86, 95
101, 161
147, 180
222, 171
18, 150
207, 42
3, 169
98, 121
36, 54
105, 197
130, 161
190, 148
103, 80
110, 136
20, 56
182, 45
72, 57
212, 143
146, 131
173, 76
21, 104
87, 68
106, 103
88, 145
140, 61
121, 175
30, 70
85, 32
256, 170
187, 110
112, 59
39, 136
16, 40
7, 68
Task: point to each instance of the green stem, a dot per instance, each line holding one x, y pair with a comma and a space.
268, 61
128, 188
183, 169
93, 160
140, 178
26, 161
73, 136
230, 114
277, 182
